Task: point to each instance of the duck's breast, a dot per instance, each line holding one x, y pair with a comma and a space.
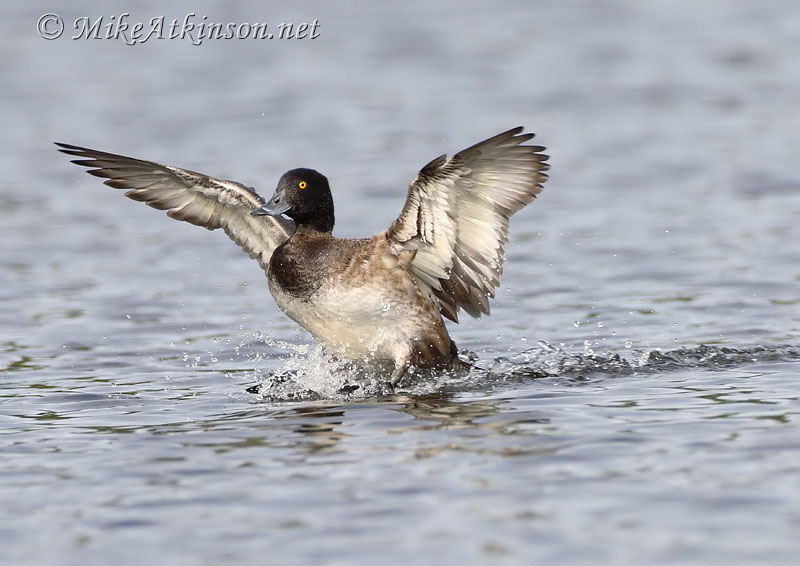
356, 298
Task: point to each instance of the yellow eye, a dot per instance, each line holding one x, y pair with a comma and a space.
302, 184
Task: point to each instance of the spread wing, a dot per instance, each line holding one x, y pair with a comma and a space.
455, 219
193, 197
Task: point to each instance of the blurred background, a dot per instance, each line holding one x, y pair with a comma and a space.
667, 235
672, 130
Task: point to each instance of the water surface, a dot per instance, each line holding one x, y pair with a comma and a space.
635, 397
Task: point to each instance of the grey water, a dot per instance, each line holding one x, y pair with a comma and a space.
636, 391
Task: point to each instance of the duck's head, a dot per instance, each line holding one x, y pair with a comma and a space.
304, 196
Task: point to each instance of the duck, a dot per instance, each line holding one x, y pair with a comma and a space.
380, 300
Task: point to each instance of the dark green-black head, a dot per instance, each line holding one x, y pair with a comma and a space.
304, 196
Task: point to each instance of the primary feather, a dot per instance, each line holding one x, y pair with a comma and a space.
191, 197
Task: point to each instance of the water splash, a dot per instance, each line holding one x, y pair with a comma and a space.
550, 361
309, 374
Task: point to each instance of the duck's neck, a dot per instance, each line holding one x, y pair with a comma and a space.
321, 223
318, 217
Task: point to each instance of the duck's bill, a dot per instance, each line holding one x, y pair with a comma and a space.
275, 206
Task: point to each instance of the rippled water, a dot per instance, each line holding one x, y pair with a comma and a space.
635, 397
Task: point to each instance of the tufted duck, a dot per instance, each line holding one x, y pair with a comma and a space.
378, 299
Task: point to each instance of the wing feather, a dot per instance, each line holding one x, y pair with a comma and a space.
191, 197
456, 215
